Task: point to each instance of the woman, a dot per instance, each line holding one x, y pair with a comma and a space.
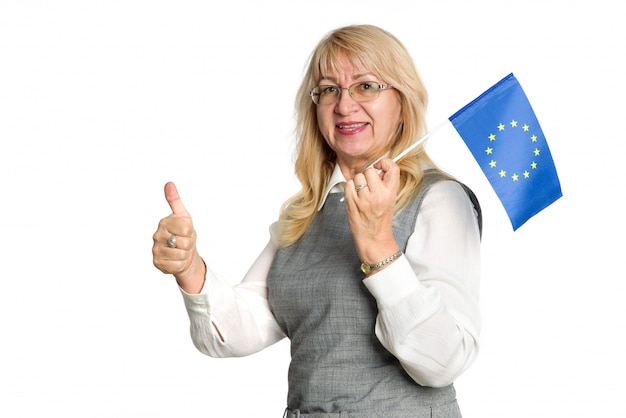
372, 271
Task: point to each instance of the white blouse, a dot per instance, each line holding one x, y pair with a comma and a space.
428, 314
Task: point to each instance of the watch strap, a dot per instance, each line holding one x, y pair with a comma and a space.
368, 268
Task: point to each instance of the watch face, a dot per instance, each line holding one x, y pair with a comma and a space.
365, 268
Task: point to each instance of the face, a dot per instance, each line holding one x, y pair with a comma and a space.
358, 132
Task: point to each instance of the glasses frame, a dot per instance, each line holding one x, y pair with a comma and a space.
315, 96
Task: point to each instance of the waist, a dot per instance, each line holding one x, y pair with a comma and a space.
296, 414
388, 400
447, 410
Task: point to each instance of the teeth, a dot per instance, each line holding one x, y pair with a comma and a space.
351, 126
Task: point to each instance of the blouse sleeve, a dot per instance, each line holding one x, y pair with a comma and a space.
428, 300
241, 313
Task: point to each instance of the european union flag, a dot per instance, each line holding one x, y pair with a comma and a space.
502, 132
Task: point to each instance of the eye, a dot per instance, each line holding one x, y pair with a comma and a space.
328, 89
367, 87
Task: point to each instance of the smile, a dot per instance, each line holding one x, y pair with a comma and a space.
351, 128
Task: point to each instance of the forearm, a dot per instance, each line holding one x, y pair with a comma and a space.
231, 320
192, 280
434, 343
428, 299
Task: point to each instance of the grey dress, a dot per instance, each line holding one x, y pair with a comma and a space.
338, 367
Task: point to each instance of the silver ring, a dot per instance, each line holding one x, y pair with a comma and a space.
360, 187
171, 241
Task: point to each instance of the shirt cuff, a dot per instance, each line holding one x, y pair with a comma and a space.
196, 303
392, 283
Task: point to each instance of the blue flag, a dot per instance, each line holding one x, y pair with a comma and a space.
501, 130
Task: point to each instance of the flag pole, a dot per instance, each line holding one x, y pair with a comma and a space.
419, 142
411, 147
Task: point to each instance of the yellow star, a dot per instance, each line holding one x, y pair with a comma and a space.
533, 165
534, 138
502, 173
526, 174
492, 137
513, 123
536, 151
489, 150
525, 128
501, 127
492, 163
515, 177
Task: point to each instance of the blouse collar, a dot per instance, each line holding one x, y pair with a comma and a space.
335, 185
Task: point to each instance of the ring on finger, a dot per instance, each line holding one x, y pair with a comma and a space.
360, 187
171, 241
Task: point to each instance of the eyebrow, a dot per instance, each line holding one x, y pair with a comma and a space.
355, 77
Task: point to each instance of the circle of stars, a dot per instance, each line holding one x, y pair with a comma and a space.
502, 172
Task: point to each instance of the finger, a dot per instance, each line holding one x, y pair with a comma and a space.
169, 262
174, 225
373, 179
350, 195
388, 172
384, 166
173, 199
183, 242
360, 182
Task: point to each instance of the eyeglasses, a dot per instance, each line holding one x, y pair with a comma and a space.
363, 91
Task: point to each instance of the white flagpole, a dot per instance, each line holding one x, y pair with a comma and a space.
418, 142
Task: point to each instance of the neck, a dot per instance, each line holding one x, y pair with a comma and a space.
351, 170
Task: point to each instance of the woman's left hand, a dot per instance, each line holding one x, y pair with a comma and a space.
370, 202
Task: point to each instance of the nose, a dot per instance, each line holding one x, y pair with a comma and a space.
346, 104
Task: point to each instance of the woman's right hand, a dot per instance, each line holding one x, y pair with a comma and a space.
183, 261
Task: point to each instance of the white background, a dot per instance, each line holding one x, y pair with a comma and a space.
102, 102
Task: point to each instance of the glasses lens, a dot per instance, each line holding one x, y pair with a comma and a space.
364, 91
326, 94
360, 92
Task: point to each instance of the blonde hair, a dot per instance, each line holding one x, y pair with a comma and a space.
380, 52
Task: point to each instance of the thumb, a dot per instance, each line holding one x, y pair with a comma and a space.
173, 199
389, 172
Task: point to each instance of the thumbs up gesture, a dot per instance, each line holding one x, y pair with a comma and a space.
174, 249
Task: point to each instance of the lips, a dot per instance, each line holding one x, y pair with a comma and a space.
351, 128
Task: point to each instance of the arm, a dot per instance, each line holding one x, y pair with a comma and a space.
428, 300
227, 321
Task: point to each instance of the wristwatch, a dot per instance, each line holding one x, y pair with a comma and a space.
368, 268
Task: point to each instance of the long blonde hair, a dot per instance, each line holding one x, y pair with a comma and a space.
383, 54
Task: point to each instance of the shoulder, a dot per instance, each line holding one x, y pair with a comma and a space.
448, 202
449, 191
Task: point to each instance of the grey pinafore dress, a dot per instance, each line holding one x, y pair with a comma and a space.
338, 367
